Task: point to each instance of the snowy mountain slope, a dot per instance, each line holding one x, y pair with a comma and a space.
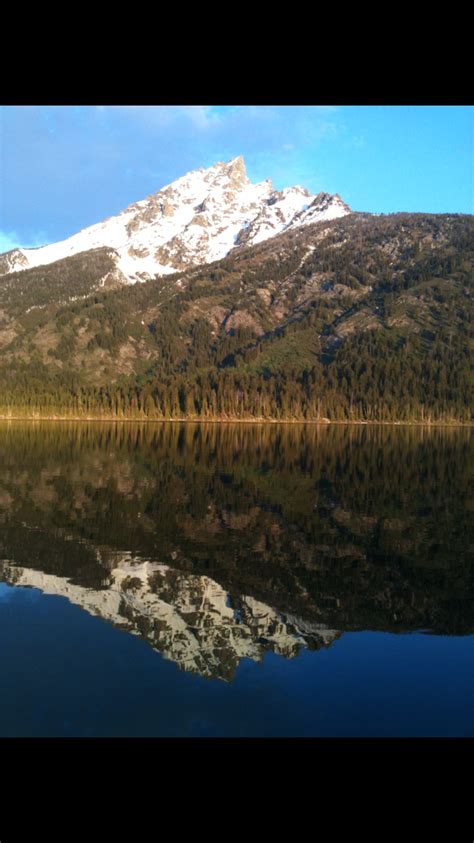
197, 219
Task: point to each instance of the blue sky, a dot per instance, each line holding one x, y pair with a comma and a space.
65, 167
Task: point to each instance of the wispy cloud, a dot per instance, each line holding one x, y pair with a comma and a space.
8, 240
12, 240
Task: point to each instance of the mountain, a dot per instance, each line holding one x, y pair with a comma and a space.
362, 317
254, 303
198, 218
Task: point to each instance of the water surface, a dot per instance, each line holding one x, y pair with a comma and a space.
166, 579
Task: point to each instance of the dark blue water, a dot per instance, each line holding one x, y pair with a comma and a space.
236, 582
71, 674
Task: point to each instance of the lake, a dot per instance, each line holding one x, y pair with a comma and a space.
236, 580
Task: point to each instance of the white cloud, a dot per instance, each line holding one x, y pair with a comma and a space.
201, 117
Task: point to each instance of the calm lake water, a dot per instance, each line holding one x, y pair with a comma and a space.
202, 580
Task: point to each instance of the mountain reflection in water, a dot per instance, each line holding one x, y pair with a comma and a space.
218, 543
190, 619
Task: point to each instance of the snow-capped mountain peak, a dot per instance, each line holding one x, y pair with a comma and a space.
198, 218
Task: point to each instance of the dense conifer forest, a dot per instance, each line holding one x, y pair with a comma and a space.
364, 318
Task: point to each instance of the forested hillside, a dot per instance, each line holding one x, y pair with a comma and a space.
363, 318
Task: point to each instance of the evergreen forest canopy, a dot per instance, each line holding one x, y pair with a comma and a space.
363, 318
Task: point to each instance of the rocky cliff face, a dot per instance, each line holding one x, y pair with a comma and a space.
199, 218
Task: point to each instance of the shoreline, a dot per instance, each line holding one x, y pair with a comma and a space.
320, 422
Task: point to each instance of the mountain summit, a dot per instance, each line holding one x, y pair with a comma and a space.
196, 219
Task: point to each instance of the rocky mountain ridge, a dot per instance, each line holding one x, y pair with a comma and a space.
197, 219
